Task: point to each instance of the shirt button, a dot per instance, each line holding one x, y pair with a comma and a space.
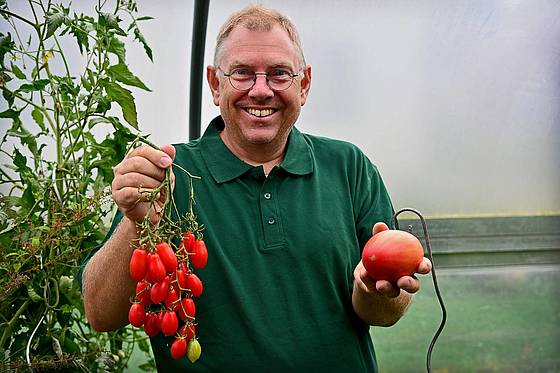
271, 221
267, 196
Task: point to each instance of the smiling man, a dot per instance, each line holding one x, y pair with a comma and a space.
286, 216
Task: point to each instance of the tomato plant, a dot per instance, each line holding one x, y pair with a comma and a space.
67, 116
391, 254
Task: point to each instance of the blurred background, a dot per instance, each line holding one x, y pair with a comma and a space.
458, 104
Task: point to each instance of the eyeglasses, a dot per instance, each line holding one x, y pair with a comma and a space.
244, 79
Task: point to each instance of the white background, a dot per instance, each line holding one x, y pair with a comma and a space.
457, 102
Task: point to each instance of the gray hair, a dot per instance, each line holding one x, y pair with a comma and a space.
258, 18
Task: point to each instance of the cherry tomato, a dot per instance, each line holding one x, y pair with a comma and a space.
137, 314
195, 284
138, 264
178, 348
156, 269
199, 257
391, 254
169, 323
167, 256
187, 309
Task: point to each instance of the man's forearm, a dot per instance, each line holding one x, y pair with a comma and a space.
107, 285
377, 309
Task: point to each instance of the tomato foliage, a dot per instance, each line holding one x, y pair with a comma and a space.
61, 136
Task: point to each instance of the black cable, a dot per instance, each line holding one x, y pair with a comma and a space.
434, 279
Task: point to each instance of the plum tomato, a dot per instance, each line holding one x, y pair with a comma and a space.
152, 325
138, 264
188, 242
156, 269
167, 256
391, 254
137, 314
187, 309
169, 323
195, 284
178, 348
143, 293
199, 257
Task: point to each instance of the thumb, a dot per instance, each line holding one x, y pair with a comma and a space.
169, 150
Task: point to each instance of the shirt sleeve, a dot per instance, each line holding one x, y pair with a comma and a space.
372, 201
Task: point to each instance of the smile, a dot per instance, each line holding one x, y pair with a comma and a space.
260, 113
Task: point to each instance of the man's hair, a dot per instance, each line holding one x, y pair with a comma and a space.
258, 18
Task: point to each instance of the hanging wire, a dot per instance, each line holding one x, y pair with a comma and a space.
434, 279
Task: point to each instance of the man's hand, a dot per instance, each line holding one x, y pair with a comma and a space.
141, 171
410, 284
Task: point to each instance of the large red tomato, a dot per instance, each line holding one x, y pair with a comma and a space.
391, 254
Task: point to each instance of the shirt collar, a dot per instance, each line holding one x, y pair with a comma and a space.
225, 166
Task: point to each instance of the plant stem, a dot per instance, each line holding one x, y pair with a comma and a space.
12, 322
8, 13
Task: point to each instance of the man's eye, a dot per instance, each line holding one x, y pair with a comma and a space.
279, 73
242, 73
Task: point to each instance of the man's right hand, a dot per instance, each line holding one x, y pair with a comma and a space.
142, 170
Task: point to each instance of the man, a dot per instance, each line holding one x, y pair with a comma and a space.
286, 215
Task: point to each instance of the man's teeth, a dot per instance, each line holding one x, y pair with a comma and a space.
260, 113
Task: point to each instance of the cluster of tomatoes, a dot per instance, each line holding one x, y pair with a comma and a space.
165, 288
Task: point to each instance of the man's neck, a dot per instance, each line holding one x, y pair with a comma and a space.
266, 155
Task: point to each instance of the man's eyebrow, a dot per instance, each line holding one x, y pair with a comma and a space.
274, 65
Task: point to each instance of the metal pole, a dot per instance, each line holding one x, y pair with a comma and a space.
200, 20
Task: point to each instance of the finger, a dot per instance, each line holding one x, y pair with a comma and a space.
135, 180
379, 227
169, 150
140, 165
157, 157
425, 266
362, 279
409, 284
387, 289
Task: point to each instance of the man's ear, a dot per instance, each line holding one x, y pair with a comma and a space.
305, 84
213, 83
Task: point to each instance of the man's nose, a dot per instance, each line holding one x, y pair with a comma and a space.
261, 89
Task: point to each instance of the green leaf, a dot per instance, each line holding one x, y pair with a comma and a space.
144, 18
117, 47
55, 19
124, 98
20, 161
121, 73
138, 36
6, 46
9, 113
37, 85
17, 72
111, 23
39, 118
85, 83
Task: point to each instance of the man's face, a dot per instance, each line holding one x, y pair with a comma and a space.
259, 116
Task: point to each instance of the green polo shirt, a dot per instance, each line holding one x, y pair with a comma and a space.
281, 254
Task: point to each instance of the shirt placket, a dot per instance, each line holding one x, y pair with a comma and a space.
270, 214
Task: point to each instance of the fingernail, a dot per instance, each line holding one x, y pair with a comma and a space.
165, 161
